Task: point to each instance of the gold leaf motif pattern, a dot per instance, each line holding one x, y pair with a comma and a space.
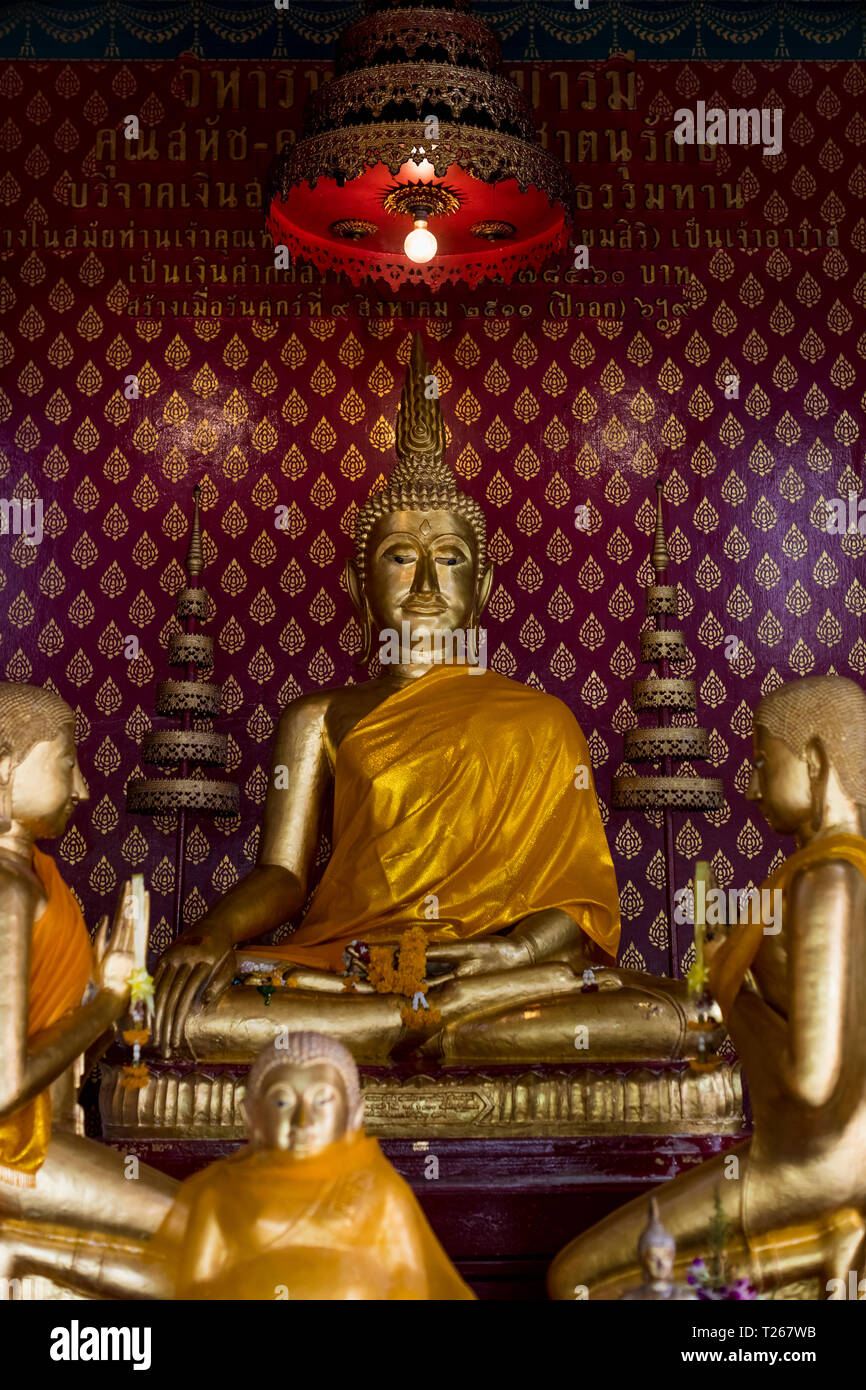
544, 414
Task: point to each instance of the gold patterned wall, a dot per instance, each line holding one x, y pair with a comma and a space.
557, 394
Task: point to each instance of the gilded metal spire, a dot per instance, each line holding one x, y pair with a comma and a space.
660, 558
195, 555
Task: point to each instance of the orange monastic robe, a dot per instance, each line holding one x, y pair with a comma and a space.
60, 964
466, 795
341, 1225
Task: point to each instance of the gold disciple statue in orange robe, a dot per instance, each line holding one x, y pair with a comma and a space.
49, 1173
794, 1001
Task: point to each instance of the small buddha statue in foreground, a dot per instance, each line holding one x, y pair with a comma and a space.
58, 996
793, 1196
656, 1252
310, 1210
464, 809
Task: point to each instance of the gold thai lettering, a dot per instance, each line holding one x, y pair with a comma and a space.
287, 77
587, 146
192, 94
260, 77
105, 139
616, 101
237, 143
618, 146
177, 143
591, 103
144, 147
226, 86
560, 76
208, 139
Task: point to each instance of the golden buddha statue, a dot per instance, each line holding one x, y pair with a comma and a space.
310, 1210
794, 1002
464, 806
58, 996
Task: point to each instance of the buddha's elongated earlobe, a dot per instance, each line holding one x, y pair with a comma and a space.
473, 638
818, 768
6, 775
358, 595
479, 603
356, 1117
366, 635
816, 791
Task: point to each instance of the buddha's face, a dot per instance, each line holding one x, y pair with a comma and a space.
422, 570
48, 785
659, 1264
780, 784
301, 1109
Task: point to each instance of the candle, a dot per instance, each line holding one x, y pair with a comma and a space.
139, 920
702, 883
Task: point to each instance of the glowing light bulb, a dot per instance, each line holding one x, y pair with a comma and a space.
420, 245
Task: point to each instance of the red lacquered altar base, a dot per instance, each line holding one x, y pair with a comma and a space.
502, 1208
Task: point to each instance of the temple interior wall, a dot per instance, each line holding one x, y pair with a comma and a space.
279, 390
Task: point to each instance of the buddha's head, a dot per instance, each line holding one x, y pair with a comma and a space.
656, 1249
810, 753
302, 1095
40, 780
420, 544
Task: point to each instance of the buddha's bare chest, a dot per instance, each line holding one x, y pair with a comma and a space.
349, 707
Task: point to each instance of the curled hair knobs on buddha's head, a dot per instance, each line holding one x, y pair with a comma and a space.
305, 1048
831, 709
29, 714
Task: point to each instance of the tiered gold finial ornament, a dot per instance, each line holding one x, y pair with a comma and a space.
419, 163
663, 693
188, 699
664, 743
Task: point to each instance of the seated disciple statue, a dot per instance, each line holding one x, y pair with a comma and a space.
309, 1210
57, 996
464, 808
794, 1001
312, 1209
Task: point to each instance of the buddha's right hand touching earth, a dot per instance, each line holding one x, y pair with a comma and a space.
196, 969
201, 964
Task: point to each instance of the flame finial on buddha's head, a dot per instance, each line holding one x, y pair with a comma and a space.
421, 480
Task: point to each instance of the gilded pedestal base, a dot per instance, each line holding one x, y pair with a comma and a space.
189, 1101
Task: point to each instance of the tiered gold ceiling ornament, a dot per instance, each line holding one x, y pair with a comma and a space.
418, 163
663, 743
182, 749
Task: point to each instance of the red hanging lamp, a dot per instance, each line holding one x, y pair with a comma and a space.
418, 163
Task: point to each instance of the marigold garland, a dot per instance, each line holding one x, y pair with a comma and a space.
403, 972
135, 1078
